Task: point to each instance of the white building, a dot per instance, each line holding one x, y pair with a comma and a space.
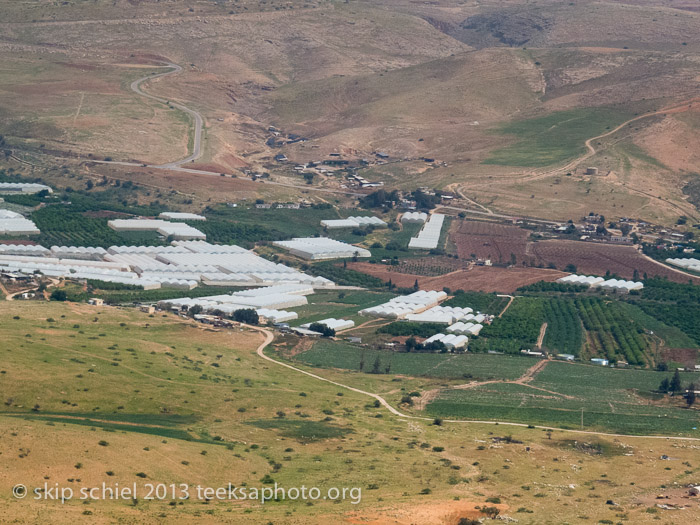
318, 248
429, 237
176, 230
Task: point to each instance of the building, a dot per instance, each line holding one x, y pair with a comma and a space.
600, 361
96, 301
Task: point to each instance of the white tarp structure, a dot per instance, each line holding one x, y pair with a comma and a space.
12, 223
688, 264
11, 188
318, 248
610, 284
440, 314
451, 341
400, 307
414, 217
178, 216
268, 302
465, 328
183, 265
334, 324
429, 236
353, 222
176, 230
277, 316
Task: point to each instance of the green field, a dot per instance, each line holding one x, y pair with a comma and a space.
554, 138
488, 303
339, 304
328, 354
612, 400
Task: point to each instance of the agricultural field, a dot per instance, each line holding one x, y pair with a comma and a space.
484, 240
611, 334
564, 331
478, 278
609, 399
490, 303
598, 259
339, 304
433, 266
324, 354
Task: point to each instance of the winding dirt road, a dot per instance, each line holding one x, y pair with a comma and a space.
198, 120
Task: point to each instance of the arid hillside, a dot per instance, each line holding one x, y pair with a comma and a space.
485, 90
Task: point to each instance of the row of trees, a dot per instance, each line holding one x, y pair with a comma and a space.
564, 332
675, 386
617, 334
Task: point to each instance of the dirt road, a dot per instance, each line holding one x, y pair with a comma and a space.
198, 121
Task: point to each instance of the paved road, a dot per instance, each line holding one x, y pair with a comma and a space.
269, 337
198, 121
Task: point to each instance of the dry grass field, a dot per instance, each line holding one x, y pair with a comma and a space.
113, 395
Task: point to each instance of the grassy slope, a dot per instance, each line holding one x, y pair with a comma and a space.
554, 138
53, 366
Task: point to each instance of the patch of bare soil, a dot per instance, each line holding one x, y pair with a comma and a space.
436, 513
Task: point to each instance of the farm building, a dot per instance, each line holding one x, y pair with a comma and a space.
176, 230
177, 216
600, 361
429, 237
414, 217
318, 248
565, 357
353, 222
12, 188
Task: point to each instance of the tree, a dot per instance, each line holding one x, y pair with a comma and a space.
411, 343
675, 385
665, 385
376, 365
362, 361
195, 310
59, 295
324, 330
246, 315
415, 285
690, 397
